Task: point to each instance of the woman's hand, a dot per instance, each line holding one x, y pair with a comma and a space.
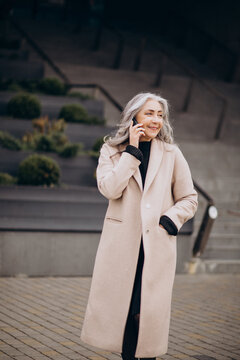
162, 227
135, 132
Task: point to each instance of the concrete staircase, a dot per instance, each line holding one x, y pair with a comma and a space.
214, 165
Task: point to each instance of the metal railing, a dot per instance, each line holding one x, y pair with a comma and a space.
210, 211
193, 78
162, 65
208, 219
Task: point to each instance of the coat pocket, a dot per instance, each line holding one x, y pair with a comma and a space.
113, 220
164, 231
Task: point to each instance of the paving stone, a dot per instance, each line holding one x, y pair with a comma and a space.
41, 318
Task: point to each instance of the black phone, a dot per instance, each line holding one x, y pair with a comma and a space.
134, 121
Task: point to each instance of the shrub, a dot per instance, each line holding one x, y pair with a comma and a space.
70, 150
98, 144
24, 106
9, 142
74, 113
38, 170
29, 85
44, 143
44, 125
6, 179
79, 95
94, 120
59, 139
52, 86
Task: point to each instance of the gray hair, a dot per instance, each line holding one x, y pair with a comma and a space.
131, 109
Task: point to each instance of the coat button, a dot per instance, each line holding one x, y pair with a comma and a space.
147, 231
148, 206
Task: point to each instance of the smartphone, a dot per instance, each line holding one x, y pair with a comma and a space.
134, 121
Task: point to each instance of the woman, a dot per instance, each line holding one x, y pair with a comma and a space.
151, 195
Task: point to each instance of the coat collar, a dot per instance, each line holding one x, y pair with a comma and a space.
156, 153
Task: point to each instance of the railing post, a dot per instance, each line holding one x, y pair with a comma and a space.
98, 36
203, 234
138, 58
221, 121
162, 66
35, 7
118, 55
188, 95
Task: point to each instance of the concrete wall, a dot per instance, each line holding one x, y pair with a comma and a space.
59, 253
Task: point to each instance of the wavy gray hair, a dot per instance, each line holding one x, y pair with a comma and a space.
131, 109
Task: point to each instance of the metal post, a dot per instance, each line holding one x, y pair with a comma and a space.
221, 121
118, 55
98, 37
203, 234
162, 66
188, 95
138, 58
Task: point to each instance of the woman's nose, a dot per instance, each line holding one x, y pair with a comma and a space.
157, 119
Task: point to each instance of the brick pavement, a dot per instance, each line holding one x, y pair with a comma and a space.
41, 318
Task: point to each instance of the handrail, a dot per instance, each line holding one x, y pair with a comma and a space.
195, 76
208, 219
102, 90
210, 212
211, 39
189, 71
39, 50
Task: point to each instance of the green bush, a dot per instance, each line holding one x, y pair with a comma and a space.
9, 142
70, 150
79, 95
77, 113
6, 179
24, 106
38, 170
52, 86
74, 113
98, 144
45, 143
94, 120
59, 139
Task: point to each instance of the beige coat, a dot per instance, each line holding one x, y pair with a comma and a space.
131, 212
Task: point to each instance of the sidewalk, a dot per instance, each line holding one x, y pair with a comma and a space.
41, 318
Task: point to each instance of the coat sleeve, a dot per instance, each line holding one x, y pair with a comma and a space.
184, 195
113, 179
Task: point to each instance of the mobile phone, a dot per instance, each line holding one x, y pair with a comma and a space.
134, 121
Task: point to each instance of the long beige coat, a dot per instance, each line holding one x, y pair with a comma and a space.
131, 212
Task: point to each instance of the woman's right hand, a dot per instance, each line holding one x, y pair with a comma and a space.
135, 132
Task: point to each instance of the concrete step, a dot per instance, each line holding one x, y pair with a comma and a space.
14, 54
51, 105
224, 239
50, 208
64, 194
41, 209
85, 134
74, 171
212, 266
21, 69
222, 252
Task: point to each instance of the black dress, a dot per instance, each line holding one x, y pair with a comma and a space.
145, 147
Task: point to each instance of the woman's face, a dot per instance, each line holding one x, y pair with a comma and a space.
151, 118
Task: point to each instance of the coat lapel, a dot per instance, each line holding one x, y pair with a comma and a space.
137, 174
155, 158
156, 154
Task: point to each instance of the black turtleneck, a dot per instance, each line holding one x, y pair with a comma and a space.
142, 153
145, 147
